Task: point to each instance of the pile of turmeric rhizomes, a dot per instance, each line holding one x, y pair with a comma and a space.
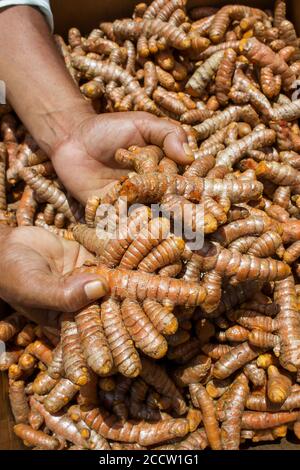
191, 348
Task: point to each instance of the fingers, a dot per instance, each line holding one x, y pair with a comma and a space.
35, 263
165, 134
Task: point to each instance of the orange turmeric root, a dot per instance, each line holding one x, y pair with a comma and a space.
135, 431
73, 361
89, 238
192, 372
143, 160
156, 376
127, 284
262, 420
10, 326
289, 323
224, 76
32, 437
142, 331
260, 54
60, 425
234, 360
18, 401
146, 240
55, 368
41, 351
93, 341
202, 400
279, 385
125, 356
48, 192
233, 407
43, 383
60, 395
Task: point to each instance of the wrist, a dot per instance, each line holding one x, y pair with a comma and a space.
57, 126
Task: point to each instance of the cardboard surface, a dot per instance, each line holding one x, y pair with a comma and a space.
86, 15
8, 440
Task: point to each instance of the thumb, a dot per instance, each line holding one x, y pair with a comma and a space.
78, 290
167, 134
64, 293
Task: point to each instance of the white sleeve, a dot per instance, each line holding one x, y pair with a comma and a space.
43, 5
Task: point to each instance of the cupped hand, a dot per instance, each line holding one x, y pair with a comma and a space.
85, 161
33, 264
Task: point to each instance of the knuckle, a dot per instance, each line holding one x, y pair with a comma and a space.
69, 302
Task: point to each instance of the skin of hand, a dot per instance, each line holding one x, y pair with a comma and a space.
80, 143
35, 263
91, 156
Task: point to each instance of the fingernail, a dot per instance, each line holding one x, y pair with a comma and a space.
94, 290
187, 150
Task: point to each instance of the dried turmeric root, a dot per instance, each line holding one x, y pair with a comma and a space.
135, 431
253, 226
10, 326
289, 325
125, 356
93, 342
202, 400
112, 72
257, 139
224, 76
41, 351
32, 437
167, 252
89, 238
73, 361
173, 36
261, 420
127, 284
233, 407
234, 360
192, 215
8, 358
146, 240
199, 80
142, 160
283, 175
60, 425
226, 15
156, 376
151, 188
243, 267
60, 395
116, 247
279, 385
270, 83
260, 54
55, 367
48, 192
162, 319
18, 401
192, 372
142, 331
43, 383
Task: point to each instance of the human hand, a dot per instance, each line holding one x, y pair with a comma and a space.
85, 160
81, 143
34, 262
